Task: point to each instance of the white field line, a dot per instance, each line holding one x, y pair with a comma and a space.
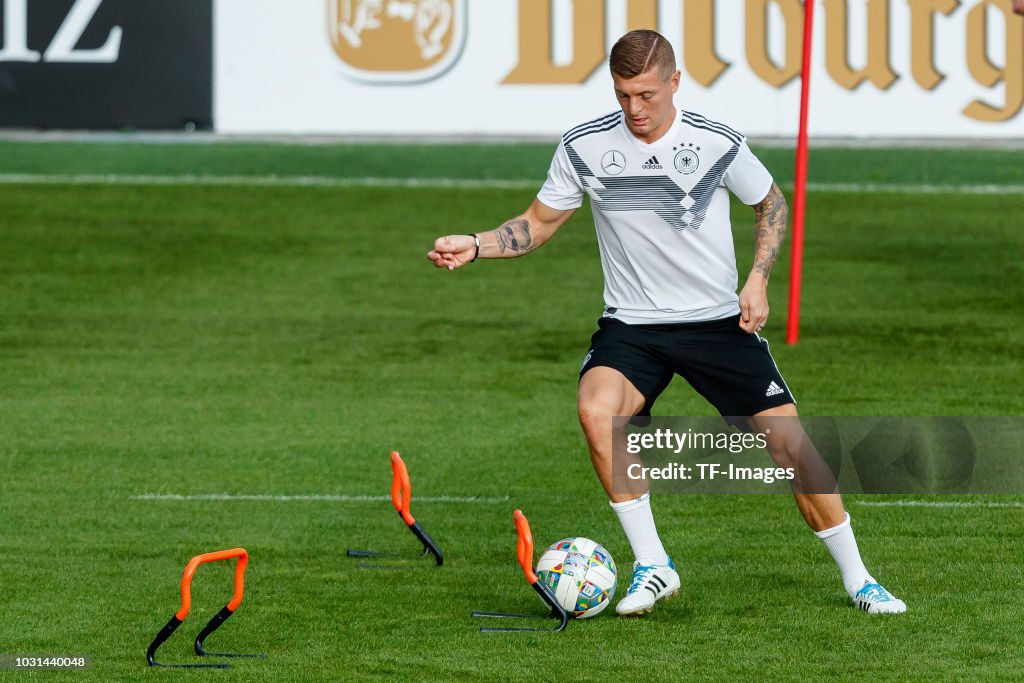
936, 504
871, 188
434, 183
315, 497
264, 181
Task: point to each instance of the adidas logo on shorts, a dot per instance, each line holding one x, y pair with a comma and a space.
774, 390
652, 164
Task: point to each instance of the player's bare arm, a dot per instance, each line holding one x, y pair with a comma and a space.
771, 216
514, 237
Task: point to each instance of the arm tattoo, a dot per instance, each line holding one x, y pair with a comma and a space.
770, 217
515, 236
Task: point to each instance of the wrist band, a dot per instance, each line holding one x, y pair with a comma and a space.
476, 239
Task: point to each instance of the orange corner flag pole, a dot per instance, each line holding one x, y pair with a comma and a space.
800, 184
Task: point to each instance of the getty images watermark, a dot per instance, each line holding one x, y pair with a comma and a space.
819, 454
690, 440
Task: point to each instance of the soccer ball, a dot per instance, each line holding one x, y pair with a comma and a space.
580, 573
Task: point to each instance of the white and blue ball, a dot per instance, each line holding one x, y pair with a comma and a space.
581, 575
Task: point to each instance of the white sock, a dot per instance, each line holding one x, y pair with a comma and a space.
638, 522
843, 547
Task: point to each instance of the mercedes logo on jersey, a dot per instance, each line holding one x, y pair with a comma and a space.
613, 162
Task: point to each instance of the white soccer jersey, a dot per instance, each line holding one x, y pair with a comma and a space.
661, 212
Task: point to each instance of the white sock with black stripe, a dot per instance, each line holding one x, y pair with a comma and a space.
842, 546
638, 522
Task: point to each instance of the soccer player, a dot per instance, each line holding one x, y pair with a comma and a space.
658, 180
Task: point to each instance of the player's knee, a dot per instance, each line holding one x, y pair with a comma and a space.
594, 416
786, 447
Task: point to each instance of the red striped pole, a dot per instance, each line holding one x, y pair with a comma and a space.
800, 183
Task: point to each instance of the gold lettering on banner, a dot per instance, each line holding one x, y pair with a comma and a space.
837, 54
702, 63
988, 74
535, 38
641, 14
922, 39
375, 20
760, 61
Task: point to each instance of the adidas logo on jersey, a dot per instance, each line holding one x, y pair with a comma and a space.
774, 390
652, 164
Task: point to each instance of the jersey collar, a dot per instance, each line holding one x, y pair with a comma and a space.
669, 135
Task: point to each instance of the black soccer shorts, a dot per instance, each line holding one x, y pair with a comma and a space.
733, 370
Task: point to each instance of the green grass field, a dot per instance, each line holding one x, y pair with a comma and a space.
196, 339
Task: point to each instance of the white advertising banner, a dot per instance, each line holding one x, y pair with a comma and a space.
880, 68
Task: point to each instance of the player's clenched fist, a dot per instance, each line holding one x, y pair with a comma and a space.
453, 251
